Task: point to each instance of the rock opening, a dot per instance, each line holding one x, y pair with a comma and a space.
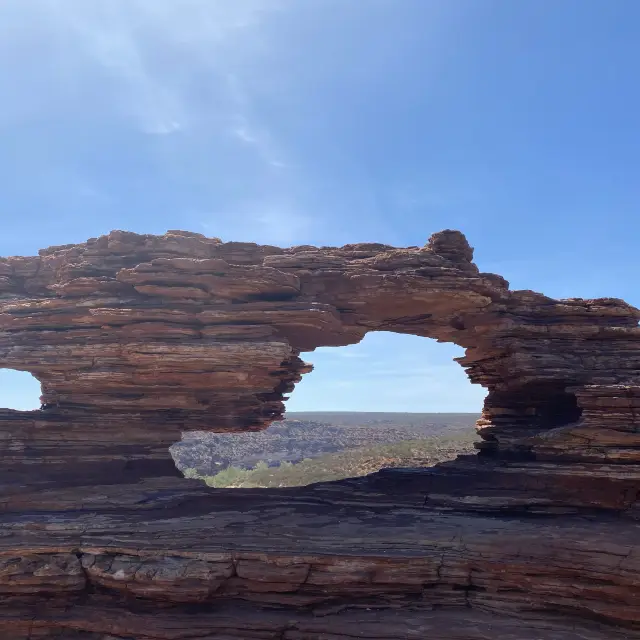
511, 417
140, 338
19, 390
391, 400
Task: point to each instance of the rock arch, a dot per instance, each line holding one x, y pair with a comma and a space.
136, 338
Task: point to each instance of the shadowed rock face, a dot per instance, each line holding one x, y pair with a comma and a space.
138, 338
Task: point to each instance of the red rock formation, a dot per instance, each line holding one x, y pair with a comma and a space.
137, 338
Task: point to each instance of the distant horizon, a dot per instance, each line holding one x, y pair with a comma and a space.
413, 413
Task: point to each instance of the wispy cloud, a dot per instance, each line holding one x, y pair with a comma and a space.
277, 222
246, 127
150, 49
260, 140
149, 58
182, 75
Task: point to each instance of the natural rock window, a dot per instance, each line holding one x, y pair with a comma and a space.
138, 339
19, 390
391, 400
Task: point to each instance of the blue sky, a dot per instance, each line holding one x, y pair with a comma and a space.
327, 122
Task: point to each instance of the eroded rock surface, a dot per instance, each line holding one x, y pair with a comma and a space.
138, 338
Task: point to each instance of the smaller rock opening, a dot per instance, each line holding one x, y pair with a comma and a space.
558, 409
19, 390
510, 417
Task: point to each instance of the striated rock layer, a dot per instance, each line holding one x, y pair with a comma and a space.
139, 338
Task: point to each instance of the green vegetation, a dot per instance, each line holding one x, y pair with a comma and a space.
349, 463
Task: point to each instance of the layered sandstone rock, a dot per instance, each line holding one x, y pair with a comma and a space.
138, 338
